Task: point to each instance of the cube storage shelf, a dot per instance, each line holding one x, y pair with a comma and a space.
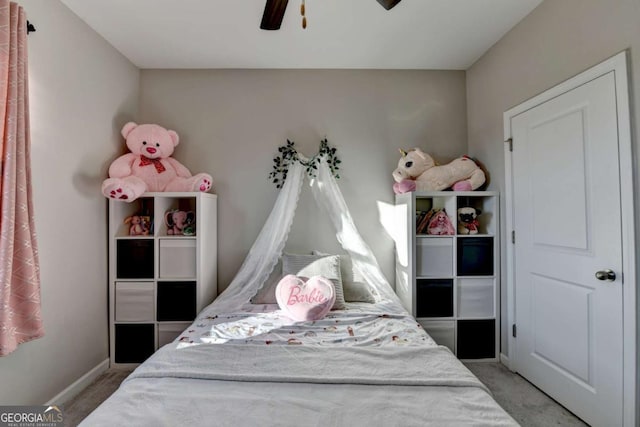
450, 283
158, 282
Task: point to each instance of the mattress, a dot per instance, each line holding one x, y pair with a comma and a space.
362, 366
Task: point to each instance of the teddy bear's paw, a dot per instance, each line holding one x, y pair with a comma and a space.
118, 192
204, 184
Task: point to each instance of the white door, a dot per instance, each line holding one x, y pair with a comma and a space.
568, 250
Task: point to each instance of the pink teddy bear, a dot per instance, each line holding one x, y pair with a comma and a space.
149, 166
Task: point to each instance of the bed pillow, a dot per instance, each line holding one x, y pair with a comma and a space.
354, 286
305, 300
267, 294
327, 266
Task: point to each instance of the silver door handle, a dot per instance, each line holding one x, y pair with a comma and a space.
606, 275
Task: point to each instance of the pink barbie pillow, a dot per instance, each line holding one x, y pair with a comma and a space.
305, 300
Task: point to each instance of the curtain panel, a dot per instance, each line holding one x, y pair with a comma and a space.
20, 319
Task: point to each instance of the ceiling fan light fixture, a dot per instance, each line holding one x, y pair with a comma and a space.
273, 14
388, 4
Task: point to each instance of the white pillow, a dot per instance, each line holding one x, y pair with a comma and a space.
327, 266
355, 287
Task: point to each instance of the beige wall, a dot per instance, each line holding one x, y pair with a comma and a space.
81, 91
231, 123
557, 40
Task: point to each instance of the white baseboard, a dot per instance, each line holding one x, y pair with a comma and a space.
504, 359
78, 385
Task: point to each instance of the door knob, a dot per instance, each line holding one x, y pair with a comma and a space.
606, 275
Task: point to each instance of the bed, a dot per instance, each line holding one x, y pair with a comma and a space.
243, 362
358, 366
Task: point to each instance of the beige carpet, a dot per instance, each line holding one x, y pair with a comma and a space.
524, 402
83, 404
528, 405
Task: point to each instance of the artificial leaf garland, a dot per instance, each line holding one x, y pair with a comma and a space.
288, 155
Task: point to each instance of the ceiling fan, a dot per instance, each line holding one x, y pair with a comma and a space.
274, 12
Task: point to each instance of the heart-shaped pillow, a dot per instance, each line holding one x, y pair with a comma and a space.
300, 300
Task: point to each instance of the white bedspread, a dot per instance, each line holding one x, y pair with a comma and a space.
411, 366
361, 325
358, 367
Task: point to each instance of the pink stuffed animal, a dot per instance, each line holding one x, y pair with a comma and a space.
149, 166
417, 170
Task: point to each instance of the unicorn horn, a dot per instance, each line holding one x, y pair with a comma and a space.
404, 153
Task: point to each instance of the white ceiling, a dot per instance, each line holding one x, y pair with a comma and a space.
416, 34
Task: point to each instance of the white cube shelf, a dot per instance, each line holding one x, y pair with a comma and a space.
434, 257
442, 331
177, 258
451, 283
476, 298
167, 332
134, 302
158, 281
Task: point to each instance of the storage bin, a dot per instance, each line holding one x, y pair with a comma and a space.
176, 301
434, 298
434, 257
442, 332
476, 297
177, 258
167, 332
134, 302
134, 259
475, 256
476, 339
134, 343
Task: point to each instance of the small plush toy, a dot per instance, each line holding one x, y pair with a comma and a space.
418, 171
137, 225
468, 220
149, 166
440, 224
180, 222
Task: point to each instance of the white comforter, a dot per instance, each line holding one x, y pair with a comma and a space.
354, 369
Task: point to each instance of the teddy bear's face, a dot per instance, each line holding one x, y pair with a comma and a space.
152, 141
412, 164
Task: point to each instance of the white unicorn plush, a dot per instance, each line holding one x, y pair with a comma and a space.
417, 171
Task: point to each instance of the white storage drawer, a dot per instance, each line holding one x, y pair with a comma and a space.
177, 258
167, 332
134, 302
476, 298
434, 257
443, 332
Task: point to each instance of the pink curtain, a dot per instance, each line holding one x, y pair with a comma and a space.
20, 319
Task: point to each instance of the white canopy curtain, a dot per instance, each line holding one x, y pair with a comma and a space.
267, 249
20, 319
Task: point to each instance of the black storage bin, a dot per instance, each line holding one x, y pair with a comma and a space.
134, 259
475, 256
134, 342
176, 301
434, 298
476, 339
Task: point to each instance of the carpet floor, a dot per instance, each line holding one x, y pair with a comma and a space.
527, 405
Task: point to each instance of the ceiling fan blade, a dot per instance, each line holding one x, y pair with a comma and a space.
388, 4
273, 14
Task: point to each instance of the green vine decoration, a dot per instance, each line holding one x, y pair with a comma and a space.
289, 155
